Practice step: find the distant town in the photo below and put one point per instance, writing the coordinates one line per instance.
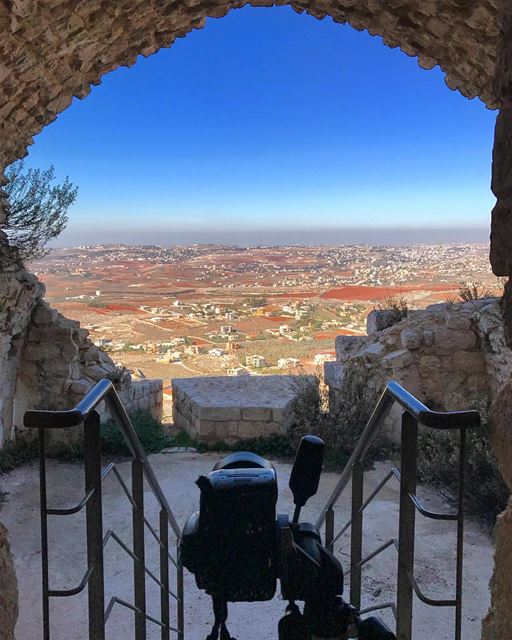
(178, 311)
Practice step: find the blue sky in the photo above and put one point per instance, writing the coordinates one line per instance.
(271, 126)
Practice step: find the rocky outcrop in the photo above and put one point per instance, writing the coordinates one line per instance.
(498, 623)
(8, 589)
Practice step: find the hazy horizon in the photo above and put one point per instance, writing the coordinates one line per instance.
(398, 236)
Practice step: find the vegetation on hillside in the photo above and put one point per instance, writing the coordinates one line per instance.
(469, 291)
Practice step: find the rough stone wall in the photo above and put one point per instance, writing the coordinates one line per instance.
(48, 361)
(454, 357)
(19, 292)
(59, 365)
(8, 589)
(498, 623)
(446, 355)
(53, 51)
(143, 395)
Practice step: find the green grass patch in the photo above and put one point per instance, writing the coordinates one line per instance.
(150, 432)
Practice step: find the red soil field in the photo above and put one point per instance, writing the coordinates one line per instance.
(353, 292)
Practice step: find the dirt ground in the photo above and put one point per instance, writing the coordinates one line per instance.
(177, 472)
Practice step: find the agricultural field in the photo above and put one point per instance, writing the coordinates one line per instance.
(170, 312)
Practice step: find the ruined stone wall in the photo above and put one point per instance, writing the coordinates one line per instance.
(143, 395)
(452, 357)
(59, 365)
(449, 356)
(48, 361)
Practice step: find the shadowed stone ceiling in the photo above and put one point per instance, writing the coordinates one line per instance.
(52, 50)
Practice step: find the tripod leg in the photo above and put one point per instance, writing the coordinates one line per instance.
(220, 610)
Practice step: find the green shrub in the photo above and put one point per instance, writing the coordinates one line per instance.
(17, 453)
(486, 493)
(150, 431)
(340, 422)
(469, 291)
(398, 305)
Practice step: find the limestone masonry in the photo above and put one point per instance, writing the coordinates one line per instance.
(224, 408)
(48, 362)
(451, 356)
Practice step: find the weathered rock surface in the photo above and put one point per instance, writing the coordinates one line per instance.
(498, 623)
(450, 356)
(8, 589)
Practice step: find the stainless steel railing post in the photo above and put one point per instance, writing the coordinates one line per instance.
(181, 595)
(43, 507)
(139, 575)
(164, 575)
(94, 526)
(356, 534)
(460, 536)
(329, 530)
(407, 520)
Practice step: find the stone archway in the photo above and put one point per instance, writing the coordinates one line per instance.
(52, 51)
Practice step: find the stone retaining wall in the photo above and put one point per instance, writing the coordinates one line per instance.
(229, 409)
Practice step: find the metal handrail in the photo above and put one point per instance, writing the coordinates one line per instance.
(103, 391)
(86, 414)
(394, 392)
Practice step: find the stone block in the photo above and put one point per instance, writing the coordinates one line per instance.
(220, 413)
(257, 413)
(458, 322)
(41, 352)
(373, 351)
(411, 339)
(258, 429)
(398, 359)
(228, 407)
(501, 237)
(44, 315)
(378, 320)
(469, 361)
(333, 374)
(451, 340)
(348, 345)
